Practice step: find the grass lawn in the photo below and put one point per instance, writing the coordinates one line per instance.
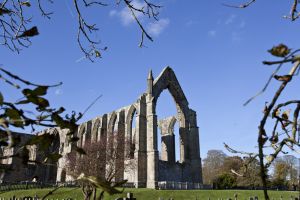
(149, 194)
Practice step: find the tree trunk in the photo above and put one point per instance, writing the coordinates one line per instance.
(95, 193)
(101, 195)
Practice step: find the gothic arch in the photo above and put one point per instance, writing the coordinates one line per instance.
(129, 120)
(172, 124)
(112, 122)
(129, 136)
(167, 80)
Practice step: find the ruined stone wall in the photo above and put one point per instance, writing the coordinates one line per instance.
(138, 144)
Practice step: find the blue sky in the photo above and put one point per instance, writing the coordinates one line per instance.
(215, 51)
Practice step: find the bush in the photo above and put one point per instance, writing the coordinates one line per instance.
(225, 181)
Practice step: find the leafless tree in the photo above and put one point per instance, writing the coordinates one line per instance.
(293, 15)
(285, 133)
(102, 161)
(16, 26)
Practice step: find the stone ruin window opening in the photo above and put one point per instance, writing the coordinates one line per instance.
(131, 132)
(168, 139)
(112, 127)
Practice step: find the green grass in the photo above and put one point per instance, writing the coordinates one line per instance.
(148, 194)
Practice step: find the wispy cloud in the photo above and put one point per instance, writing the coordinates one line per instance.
(155, 28)
(231, 26)
(125, 14)
(237, 33)
(230, 19)
(58, 91)
(212, 33)
(242, 24)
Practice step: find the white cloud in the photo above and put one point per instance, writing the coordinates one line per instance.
(155, 28)
(230, 19)
(58, 91)
(242, 24)
(212, 33)
(125, 14)
(113, 13)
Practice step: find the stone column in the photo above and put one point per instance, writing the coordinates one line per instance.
(194, 153)
(140, 155)
(103, 140)
(167, 140)
(119, 163)
(152, 153)
(183, 135)
(168, 147)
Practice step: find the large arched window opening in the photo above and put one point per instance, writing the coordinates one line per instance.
(168, 81)
(168, 137)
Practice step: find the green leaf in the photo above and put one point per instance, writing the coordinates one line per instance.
(1, 99)
(44, 141)
(27, 92)
(40, 90)
(14, 117)
(12, 113)
(99, 183)
(63, 123)
(29, 33)
(23, 102)
(26, 3)
(33, 96)
(280, 50)
(41, 102)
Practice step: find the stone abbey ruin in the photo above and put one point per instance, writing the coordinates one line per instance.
(150, 168)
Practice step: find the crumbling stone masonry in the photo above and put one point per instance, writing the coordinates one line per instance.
(149, 168)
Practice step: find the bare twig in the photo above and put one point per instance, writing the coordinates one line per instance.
(244, 5)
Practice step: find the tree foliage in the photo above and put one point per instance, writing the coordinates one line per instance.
(285, 172)
(212, 165)
(225, 181)
(32, 109)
